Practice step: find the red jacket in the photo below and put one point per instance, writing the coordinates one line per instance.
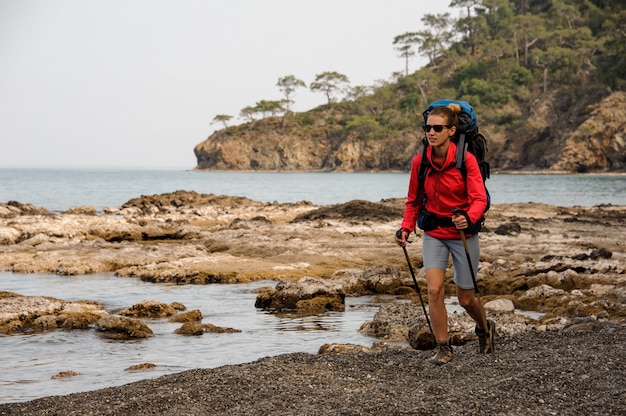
(445, 189)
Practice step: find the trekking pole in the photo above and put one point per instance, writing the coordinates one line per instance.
(483, 318)
(417, 288)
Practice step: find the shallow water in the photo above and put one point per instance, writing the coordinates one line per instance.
(28, 361)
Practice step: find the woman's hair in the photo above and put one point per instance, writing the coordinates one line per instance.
(449, 113)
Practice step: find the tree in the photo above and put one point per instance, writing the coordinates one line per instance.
(270, 108)
(359, 91)
(405, 43)
(433, 42)
(329, 83)
(247, 113)
(265, 108)
(467, 24)
(222, 118)
(288, 86)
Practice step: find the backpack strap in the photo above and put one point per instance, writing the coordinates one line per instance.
(421, 177)
(461, 149)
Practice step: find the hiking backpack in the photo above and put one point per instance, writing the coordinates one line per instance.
(467, 138)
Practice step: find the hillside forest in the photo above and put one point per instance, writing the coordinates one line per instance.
(547, 80)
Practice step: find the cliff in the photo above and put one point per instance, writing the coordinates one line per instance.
(558, 136)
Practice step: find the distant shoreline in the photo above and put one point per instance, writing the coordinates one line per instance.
(497, 172)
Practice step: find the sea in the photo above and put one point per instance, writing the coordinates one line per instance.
(29, 362)
(59, 189)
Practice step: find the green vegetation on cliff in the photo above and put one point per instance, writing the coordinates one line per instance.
(545, 79)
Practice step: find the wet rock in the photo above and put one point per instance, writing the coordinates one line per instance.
(195, 328)
(140, 367)
(39, 313)
(149, 309)
(308, 294)
(191, 316)
(122, 328)
(178, 306)
(65, 321)
(65, 374)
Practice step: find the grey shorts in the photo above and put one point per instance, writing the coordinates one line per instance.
(436, 253)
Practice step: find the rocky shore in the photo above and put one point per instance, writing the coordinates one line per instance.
(565, 263)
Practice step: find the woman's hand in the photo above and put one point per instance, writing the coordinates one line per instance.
(460, 219)
(460, 222)
(401, 236)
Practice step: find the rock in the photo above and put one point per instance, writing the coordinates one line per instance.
(374, 279)
(65, 374)
(116, 327)
(392, 321)
(140, 367)
(584, 325)
(149, 309)
(195, 328)
(8, 235)
(22, 313)
(13, 209)
(601, 253)
(82, 210)
(191, 316)
(308, 294)
(419, 336)
(512, 228)
(110, 211)
(500, 306)
(342, 349)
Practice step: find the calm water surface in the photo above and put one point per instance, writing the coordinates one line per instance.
(58, 189)
(29, 361)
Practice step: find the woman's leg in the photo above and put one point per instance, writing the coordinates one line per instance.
(471, 304)
(436, 305)
(465, 290)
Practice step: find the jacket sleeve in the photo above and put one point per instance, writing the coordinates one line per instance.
(411, 210)
(476, 193)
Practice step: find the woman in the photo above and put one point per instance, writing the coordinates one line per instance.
(446, 191)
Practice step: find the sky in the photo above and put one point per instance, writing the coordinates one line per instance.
(138, 83)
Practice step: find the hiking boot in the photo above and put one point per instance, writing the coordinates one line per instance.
(487, 339)
(444, 354)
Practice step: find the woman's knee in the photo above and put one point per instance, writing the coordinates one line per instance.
(466, 297)
(436, 292)
(436, 283)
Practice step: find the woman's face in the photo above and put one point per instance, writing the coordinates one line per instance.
(442, 137)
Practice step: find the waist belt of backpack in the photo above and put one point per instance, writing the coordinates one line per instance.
(445, 222)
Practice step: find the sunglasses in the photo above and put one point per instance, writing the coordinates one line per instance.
(437, 127)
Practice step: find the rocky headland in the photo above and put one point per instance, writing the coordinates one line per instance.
(552, 135)
(565, 263)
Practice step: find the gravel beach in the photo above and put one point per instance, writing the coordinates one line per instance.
(532, 373)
